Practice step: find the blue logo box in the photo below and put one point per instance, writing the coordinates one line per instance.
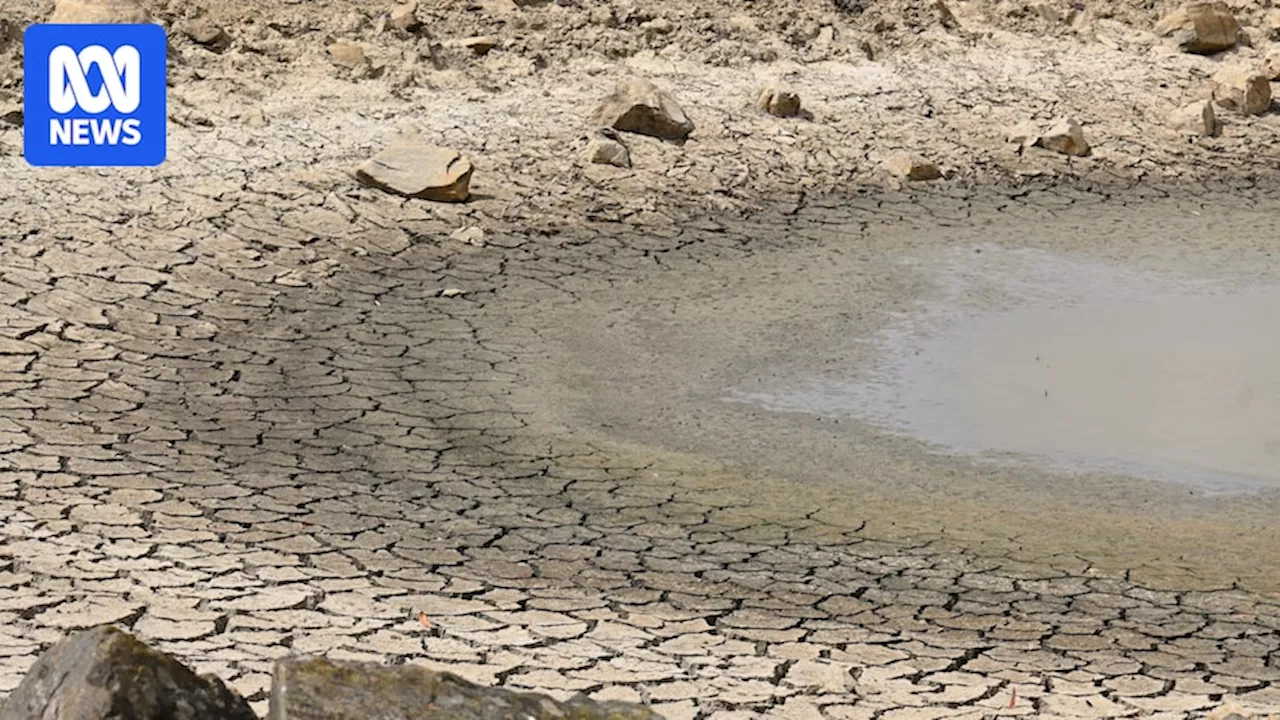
(94, 95)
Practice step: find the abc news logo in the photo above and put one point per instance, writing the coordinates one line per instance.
(95, 95)
(69, 88)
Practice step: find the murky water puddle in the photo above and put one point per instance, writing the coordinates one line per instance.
(1079, 366)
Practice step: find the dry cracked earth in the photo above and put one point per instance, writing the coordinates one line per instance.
(246, 415)
(248, 409)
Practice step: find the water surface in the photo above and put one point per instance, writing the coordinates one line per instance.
(1075, 365)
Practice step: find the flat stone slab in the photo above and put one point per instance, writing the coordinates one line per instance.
(417, 169)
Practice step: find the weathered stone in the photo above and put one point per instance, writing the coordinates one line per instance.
(321, 689)
(639, 106)
(1023, 135)
(479, 44)
(1066, 137)
(11, 113)
(777, 98)
(347, 55)
(105, 673)
(470, 235)
(208, 33)
(605, 148)
(910, 166)
(1242, 89)
(1201, 27)
(405, 16)
(1270, 66)
(99, 11)
(417, 169)
(1197, 118)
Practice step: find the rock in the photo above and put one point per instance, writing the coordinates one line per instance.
(320, 689)
(479, 44)
(348, 55)
(1271, 23)
(99, 11)
(606, 148)
(910, 166)
(470, 235)
(1197, 118)
(105, 673)
(639, 106)
(777, 98)
(1242, 89)
(405, 16)
(945, 17)
(208, 33)
(1024, 135)
(452, 292)
(1201, 27)
(11, 113)
(415, 168)
(1270, 67)
(1066, 137)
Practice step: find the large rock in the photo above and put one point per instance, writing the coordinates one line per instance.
(320, 689)
(347, 55)
(1195, 119)
(639, 106)
(415, 168)
(1201, 27)
(99, 12)
(606, 148)
(777, 98)
(1066, 137)
(910, 166)
(1270, 66)
(105, 673)
(206, 32)
(1242, 89)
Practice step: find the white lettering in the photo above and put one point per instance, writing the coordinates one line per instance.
(59, 132)
(80, 131)
(132, 131)
(106, 132)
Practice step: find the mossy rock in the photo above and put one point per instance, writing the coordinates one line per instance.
(106, 673)
(319, 689)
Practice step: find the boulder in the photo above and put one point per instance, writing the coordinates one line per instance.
(347, 55)
(778, 99)
(639, 106)
(1023, 135)
(479, 44)
(320, 689)
(470, 235)
(405, 16)
(606, 148)
(1201, 27)
(417, 169)
(11, 113)
(1197, 118)
(206, 32)
(1242, 89)
(99, 12)
(1270, 66)
(909, 166)
(1066, 137)
(105, 673)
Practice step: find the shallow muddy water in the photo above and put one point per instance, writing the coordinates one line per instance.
(1083, 366)
(1103, 383)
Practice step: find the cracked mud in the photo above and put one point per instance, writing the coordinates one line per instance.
(244, 418)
